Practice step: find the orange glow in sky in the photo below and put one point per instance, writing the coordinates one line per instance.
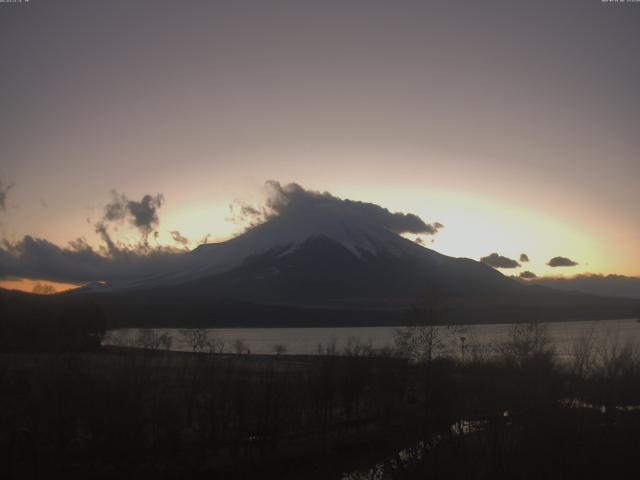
(42, 287)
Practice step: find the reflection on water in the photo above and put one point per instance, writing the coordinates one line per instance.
(303, 341)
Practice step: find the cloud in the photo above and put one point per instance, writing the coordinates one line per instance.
(101, 229)
(242, 213)
(498, 261)
(561, 262)
(524, 258)
(4, 190)
(143, 214)
(79, 262)
(178, 238)
(250, 211)
(527, 275)
(292, 199)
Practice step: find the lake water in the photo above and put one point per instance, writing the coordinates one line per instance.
(306, 340)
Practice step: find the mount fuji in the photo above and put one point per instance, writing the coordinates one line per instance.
(332, 262)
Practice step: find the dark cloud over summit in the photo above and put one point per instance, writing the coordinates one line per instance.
(292, 198)
(524, 258)
(498, 261)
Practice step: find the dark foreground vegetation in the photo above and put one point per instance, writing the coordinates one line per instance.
(70, 408)
(512, 411)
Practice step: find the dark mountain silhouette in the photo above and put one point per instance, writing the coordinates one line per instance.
(321, 271)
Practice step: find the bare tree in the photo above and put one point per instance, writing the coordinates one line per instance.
(475, 350)
(617, 359)
(528, 341)
(330, 349)
(279, 349)
(196, 338)
(353, 348)
(582, 353)
(166, 341)
(427, 335)
(215, 343)
(418, 342)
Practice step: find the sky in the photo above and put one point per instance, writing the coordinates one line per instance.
(512, 123)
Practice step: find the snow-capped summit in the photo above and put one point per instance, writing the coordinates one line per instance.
(288, 232)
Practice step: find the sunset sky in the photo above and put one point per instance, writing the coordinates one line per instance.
(514, 124)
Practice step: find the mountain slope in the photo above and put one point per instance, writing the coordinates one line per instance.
(322, 270)
(322, 283)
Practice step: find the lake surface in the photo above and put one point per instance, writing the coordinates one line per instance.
(306, 340)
